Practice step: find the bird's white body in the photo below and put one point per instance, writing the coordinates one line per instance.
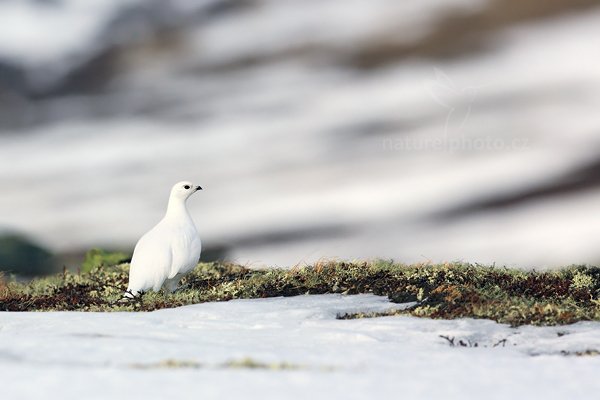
(169, 250)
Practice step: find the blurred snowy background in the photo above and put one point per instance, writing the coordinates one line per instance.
(419, 130)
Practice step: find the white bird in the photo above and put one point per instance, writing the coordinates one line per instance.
(169, 250)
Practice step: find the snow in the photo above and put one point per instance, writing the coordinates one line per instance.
(34, 33)
(50, 38)
(338, 24)
(293, 146)
(53, 37)
(103, 355)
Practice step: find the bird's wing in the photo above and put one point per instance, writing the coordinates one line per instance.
(150, 263)
(186, 249)
(196, 249)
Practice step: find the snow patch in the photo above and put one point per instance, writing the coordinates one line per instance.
(96, 354)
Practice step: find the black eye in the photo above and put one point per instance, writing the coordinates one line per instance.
(186, 187)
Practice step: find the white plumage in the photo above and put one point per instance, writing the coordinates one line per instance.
(169, 250)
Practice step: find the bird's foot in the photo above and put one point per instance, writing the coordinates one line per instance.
(129, 296)
(182, 287)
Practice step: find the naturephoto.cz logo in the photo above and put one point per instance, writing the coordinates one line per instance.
(457, 144)
(457, 103)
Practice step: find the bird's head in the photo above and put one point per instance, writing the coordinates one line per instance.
(184, 189)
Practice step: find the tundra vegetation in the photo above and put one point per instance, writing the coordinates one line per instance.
(448, 291)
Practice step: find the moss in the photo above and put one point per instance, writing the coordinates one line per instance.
(451, 290)
(168, 364)
(249, 363)
(586, 353)
(582, 281)
(244, 363)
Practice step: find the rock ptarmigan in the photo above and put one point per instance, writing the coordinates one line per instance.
(169, 250)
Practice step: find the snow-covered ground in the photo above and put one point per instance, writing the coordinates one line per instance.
(125, 355)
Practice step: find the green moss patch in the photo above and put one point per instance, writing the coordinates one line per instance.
(452, 290)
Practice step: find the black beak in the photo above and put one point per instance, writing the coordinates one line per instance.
(198, 188)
